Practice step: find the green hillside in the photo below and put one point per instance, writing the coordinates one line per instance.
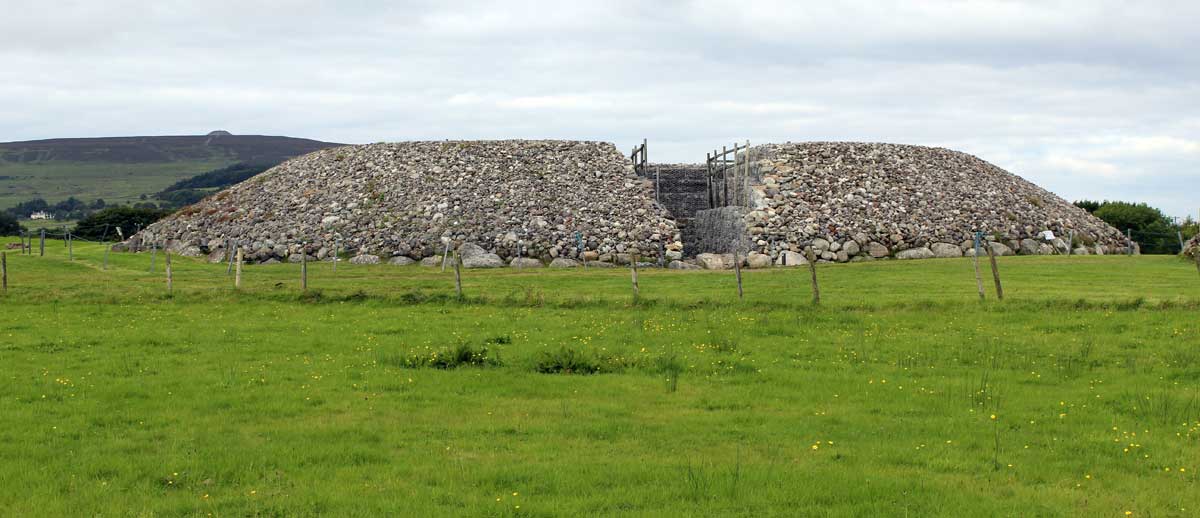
(122, 169)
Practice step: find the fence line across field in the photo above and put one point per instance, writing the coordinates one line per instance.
(235, 252)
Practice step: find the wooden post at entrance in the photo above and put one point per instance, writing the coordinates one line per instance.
(237, 278)
(975, 260)
(812, 270)
(4, 271)
(995, 273)
(167, 259)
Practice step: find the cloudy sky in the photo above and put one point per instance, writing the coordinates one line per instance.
(1089, 98)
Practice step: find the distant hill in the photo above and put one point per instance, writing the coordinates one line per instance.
(123, 169)
(218, 145)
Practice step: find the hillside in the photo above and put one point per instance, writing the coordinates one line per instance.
(121, 169)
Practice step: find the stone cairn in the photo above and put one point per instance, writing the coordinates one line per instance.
(861, 201)
(515, 202)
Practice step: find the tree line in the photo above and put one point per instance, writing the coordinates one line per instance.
(1148, 226)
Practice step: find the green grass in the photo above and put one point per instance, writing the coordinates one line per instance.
(114, 182)
(379, 393)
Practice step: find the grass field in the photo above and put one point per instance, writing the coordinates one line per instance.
(88, 181)
(379, 393)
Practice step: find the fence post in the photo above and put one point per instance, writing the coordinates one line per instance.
(1129, 241)
(458, 275)
(975, 260)
(812, 270)
(153, 255)
(106, 249)
(1070, 242)
(42, 245)
(633, 271)
(995, 273)
(167, 260)
(519, 265)
(70, 247)
(445, 254)
(337, 250)
(4, 271)
(737, 269)
(237, 279)
(303, 269)
(1182, 246)
(230, 246)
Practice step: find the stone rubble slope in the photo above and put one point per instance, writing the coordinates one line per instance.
(403, 199)
(857, 201)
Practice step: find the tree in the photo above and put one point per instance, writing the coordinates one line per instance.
(9, 225)
(1088, 205)
(103, 224)
(1149, 227)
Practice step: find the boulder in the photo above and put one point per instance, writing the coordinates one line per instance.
(1080, 251)
(434, 261)
(484, 260)
(563, 262)
(364, 259)
(401, 260)
(851, 248)
(946, 250)
(877, 250)
(680, 265)
(599, 264)
(790, 258)
(711, 261)
(756, 260)
(190, 251)
(1030, 247)
(916, 253)
(525, 262)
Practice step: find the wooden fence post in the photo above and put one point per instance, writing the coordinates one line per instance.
(458, 275)
(995, 273)
(237, 279)
(42, 245)
(4, 271)
(1182, 246)
(153, 255)
(70, 247)
(975, 260)
(1071, 242)
(445, 255)
(812, 270)
(737, 269)
(633, 271)
(230, 246)
(106, 249)
(337, 250)
(1129, 241)
(303, 269)
(167, 260)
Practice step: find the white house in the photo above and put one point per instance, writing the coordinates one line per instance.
(41, 215)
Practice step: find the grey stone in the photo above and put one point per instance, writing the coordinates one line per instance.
(756, 260)
(524, 262)
(916, 253)
(435, 260)
(877, 250)
(946, 250)
(851, 248)
(711, 261)
(563, 262)
(401, 260)
(364, 259)
(680, 265)
(790, 258)
(484, 260)
(1030, 247)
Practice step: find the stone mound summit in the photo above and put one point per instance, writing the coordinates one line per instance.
(404, 201)
(861, 201)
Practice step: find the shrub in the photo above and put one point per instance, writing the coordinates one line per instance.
(9, 225)
(566, 360)
(461, 355)
(105, 222)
